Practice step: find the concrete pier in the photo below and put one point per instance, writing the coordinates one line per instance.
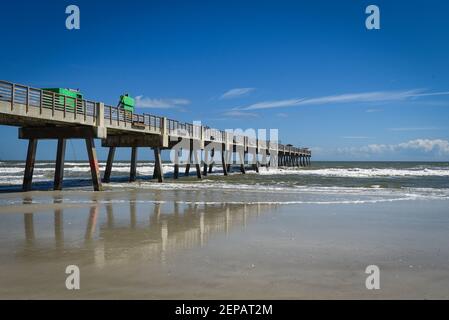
(41, 114)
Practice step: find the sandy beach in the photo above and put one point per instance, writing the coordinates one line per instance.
(207, 244)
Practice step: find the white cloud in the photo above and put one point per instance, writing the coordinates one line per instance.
(438, 146)
(145, 102)
(236, 92)
(426, 145)
(240, 114)
(376, 96)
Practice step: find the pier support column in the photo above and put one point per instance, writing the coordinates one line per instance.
(212, 155)
(197, 163)
(255, 160)
(265, 159)
(229, 158)
(59, 167)
(256, 166)
(93, 162)
(29, 165)
(187, 172)
(176, 171)
(158, 171)
(242, 162)
(223, 159)
(133, 170)
(109, 162)
(206, 160)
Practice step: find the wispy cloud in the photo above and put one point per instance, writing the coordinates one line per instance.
(376, 96)
(373, 110)
(282, 115)
(168, 103)
(236, 92)
(356, 137)
(414, 129)
(240, 114)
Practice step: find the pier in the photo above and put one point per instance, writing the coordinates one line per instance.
(41, 114)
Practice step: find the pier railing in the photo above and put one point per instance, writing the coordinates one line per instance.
(39, 102)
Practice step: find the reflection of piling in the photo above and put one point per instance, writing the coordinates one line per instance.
(91, 222)
(164, 240)
(166, 230)
(132, 212)
(59, 228)
(201, 229)
(29, 227)
(157, 211)
(110, 215)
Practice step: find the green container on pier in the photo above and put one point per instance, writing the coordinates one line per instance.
(71, 94)
(127, 103)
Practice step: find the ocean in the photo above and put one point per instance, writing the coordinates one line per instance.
(323, 182)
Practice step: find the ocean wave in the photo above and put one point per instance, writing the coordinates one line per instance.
(376, 191)
(362, 172)
(355, 172)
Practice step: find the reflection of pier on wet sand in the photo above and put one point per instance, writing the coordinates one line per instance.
(110, 238)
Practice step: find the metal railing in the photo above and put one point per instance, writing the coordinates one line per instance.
(37, 99)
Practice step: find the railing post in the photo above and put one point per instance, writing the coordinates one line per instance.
(13, 92)
(100, 114)
(53, 104)
(65, 102)
(76, 107)
(41, 101)
(164, 126)
(28, 99)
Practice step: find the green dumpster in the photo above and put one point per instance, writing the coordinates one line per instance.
(126, 102)
(70, 95)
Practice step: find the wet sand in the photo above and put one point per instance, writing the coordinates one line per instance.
(173, 244)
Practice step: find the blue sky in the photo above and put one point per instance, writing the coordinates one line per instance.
(309, 68)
